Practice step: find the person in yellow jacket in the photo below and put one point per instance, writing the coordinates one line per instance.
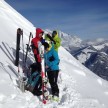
(55, 39)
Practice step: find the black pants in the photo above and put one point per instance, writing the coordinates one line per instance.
(53, 76)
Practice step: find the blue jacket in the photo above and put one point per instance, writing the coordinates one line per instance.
(52, 59)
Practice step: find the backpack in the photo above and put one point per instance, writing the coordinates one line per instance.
(34, 82)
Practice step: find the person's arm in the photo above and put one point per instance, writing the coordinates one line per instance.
(58, 43)
(51, 38)
(35, 51)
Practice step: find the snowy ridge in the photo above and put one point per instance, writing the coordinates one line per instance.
(7, 7)
(79, 87)
(10, 18)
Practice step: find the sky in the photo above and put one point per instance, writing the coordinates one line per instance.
(87, 19)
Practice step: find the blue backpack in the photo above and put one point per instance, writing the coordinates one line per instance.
(34, 82)
(34, 78)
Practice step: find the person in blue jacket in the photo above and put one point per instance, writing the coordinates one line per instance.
(52, 68)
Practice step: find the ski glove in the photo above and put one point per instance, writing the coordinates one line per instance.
(51, 38)
(42, 41)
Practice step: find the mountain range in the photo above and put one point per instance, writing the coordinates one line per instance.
(91, 53)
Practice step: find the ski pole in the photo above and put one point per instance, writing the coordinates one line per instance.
(23, 47)
(31, 35)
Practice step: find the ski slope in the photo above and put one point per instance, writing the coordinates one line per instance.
(79, 87)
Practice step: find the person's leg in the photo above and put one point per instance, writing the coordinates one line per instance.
(56, 89)
(53, 76)
(51, 80)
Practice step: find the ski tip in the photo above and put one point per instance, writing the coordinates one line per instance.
(44, 101)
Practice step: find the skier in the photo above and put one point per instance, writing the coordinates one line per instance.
(34, 45)
(55, 39)
(52, 68)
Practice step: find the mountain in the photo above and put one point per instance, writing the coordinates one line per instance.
(69, 42)
(95, 57)
(79, 87)
(91, 53)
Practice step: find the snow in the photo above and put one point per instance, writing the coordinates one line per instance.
(85, 54)
(70, 42)
(99, 81)
(99, 47)
(79, 87)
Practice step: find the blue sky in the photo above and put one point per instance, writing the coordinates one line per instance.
(88, 19)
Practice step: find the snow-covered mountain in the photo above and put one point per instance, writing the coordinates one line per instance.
(92, 53)
(79, 87)
(95, 57)
(70, 43)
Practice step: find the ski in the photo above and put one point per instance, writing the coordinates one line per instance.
(44, 80)
(21, 83)
(20, 78)
(23, 47)
(19, 33)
